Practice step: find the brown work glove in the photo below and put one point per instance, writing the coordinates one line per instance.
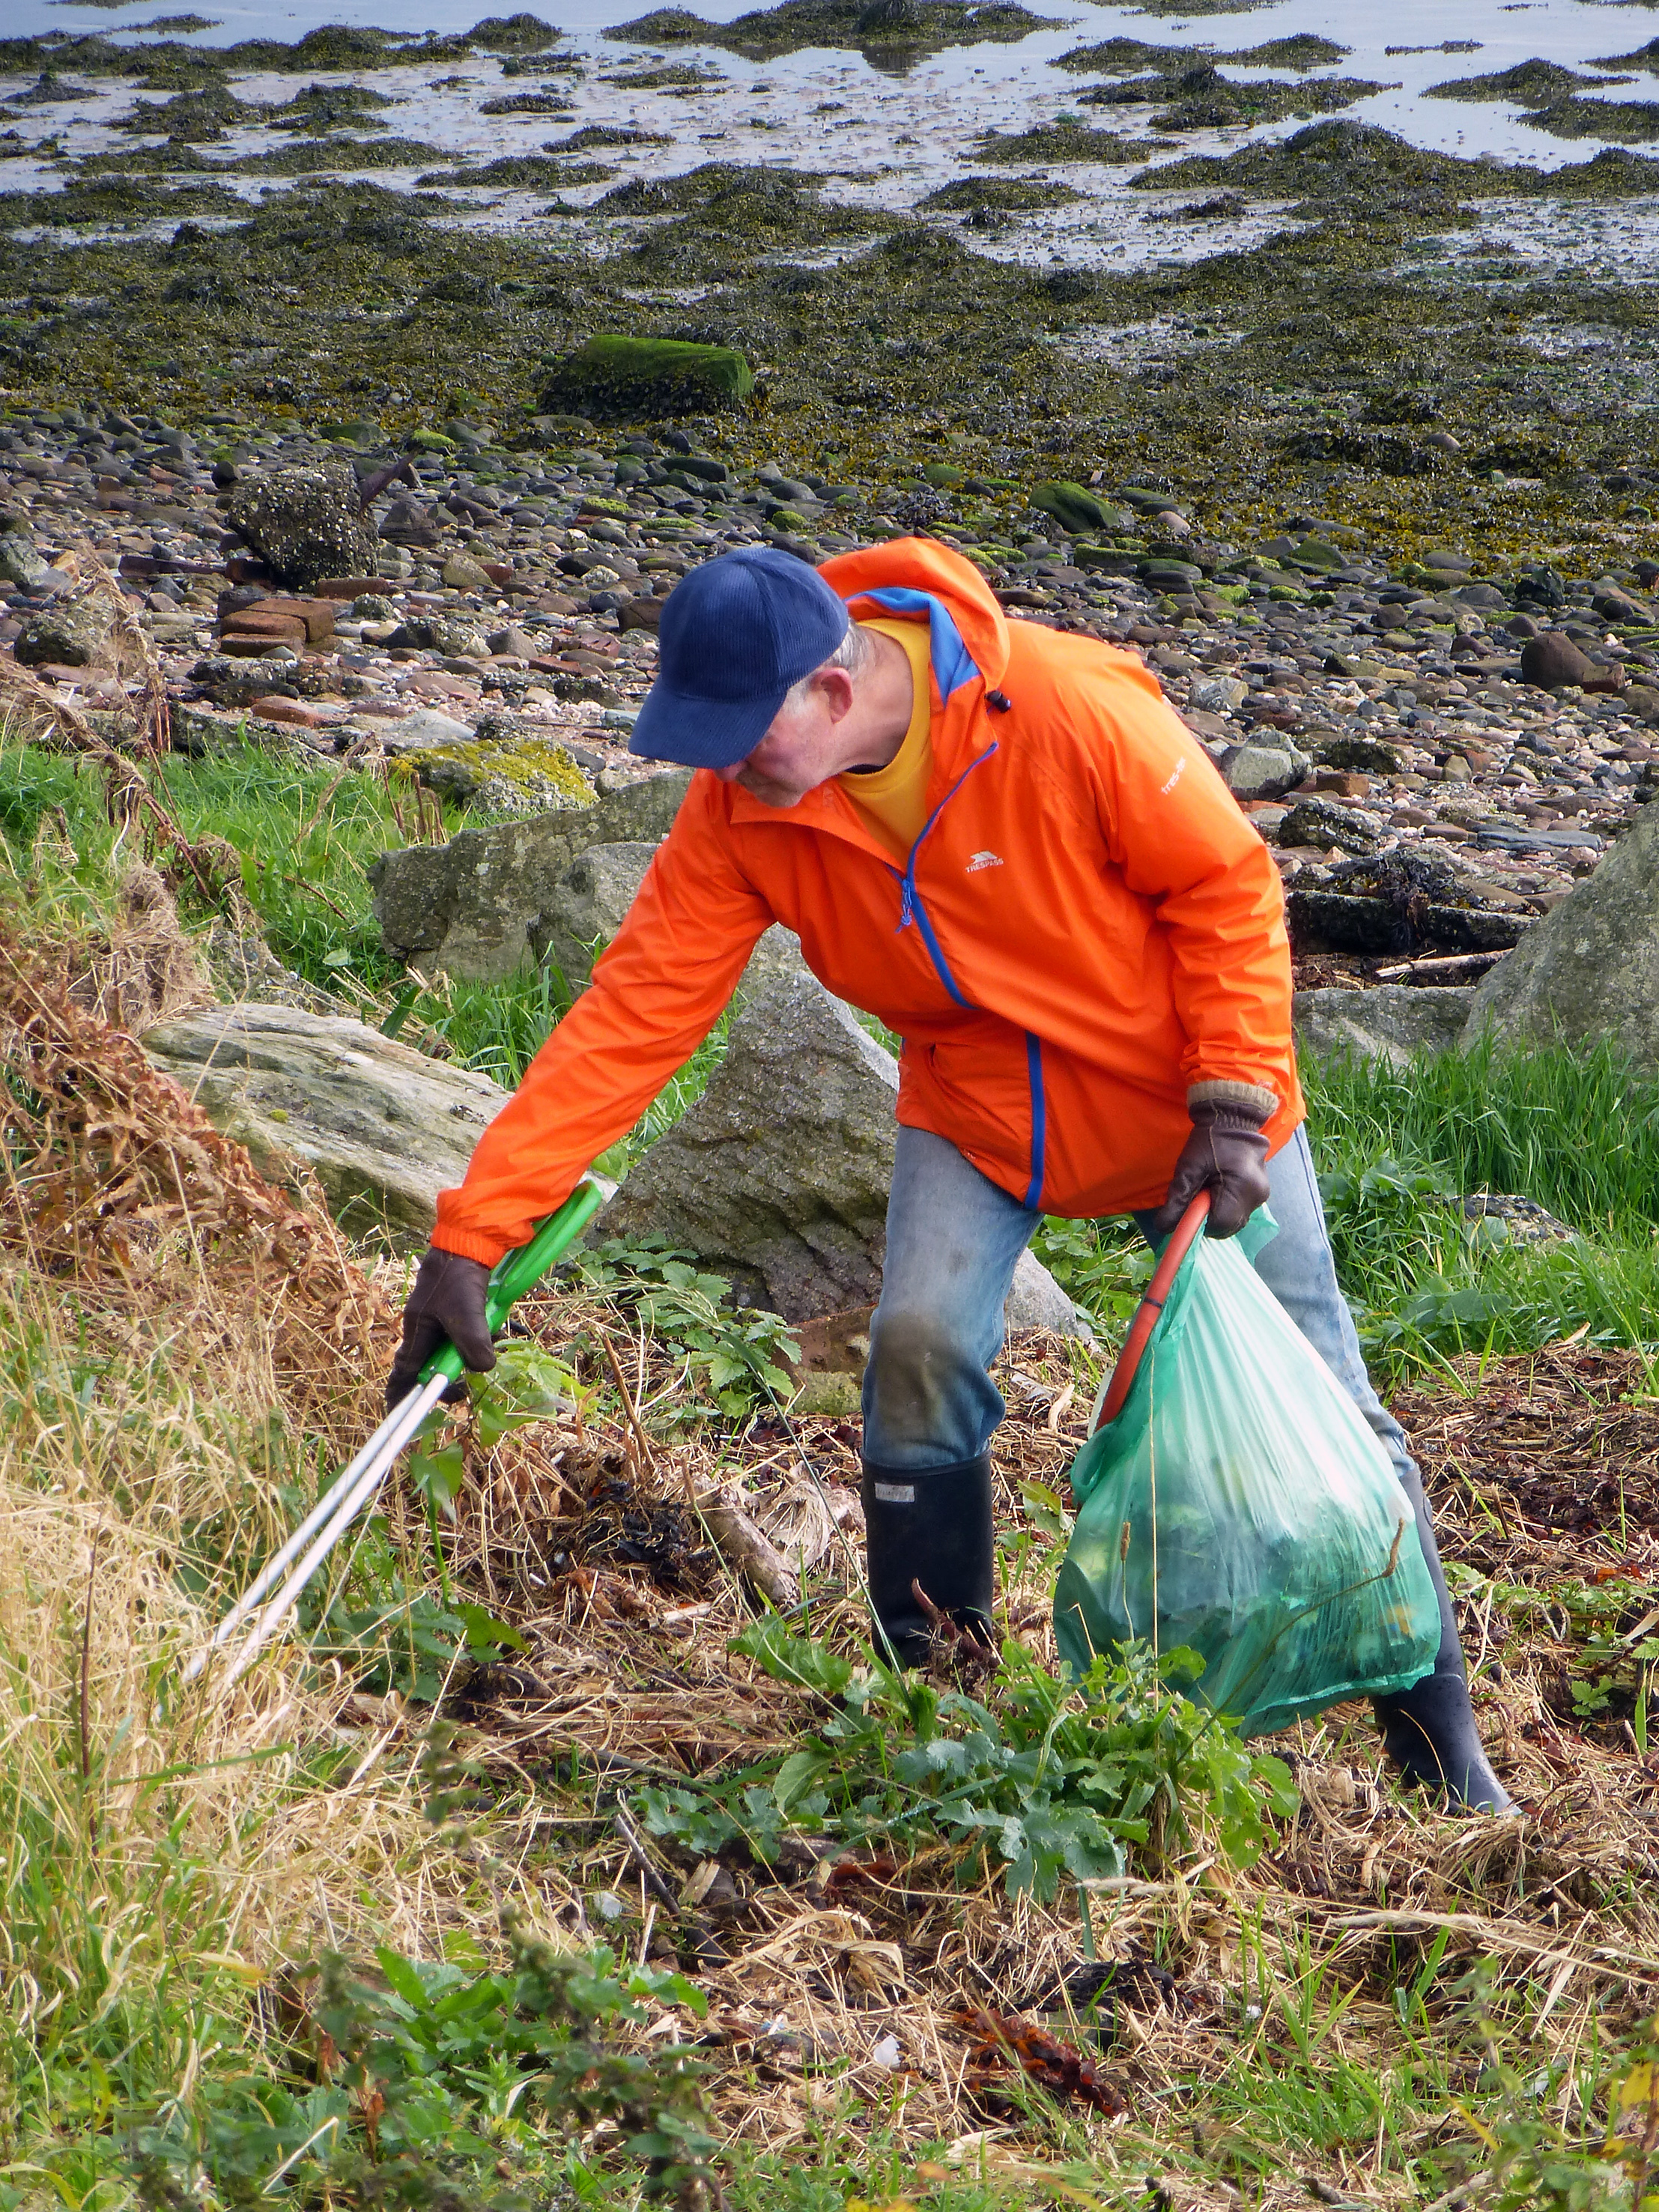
(447, 1302)
(1225, 1155)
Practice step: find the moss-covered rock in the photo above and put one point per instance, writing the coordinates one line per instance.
(517, 775)
(612, 375)
(1073, 508)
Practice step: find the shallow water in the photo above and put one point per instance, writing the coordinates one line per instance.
(888, 138)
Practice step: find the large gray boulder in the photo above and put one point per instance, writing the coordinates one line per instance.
(20, 562)
(1390, 1023)
(481, 905)
(1260, 770)
(383, 1127)
(1591, 967)
(778, 1176)
(590, 903)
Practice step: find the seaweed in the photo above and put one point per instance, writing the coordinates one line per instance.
(1644, 58)
(764, 33)
(1630, 122)
(1201, 99)
(1122, 57)
(307, 157)
(666, 77)
(538, 172)
(108, 200)
(523, 34)
(1530, 82)
(1067, 138)
(1360, 167)
(1011, 194)
(606, 134)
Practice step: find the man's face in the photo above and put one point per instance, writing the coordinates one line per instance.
(800, 749)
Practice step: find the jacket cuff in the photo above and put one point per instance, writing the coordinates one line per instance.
(468, 1244)
(1248, 1097)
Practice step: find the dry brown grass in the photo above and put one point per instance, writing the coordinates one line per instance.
(179, 1341)
(833, 1961)
(142, 1250)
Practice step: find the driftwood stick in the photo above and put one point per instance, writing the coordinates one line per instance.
(1444, 963)
(745, 1548)
(647, 1457)
(641, 1858)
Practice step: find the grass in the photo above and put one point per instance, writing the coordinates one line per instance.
(306, 836)
(1396, 1149)
(194, 1891)
(1576, 1131)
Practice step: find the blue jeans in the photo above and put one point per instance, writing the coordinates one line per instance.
(952, 1240)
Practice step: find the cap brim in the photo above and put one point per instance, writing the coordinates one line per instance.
(699, 732)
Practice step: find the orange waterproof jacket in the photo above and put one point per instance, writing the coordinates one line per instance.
(1086, 928)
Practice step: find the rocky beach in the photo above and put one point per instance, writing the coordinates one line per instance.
(1366, 482)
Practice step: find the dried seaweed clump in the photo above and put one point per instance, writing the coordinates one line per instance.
(117, 1181)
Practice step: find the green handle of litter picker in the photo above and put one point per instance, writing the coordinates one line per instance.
(521, 1269)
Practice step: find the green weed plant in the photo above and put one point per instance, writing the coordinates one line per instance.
(1053, 1777)
(426, 2078)
(734, 1354)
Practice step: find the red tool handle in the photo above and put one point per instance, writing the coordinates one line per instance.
(1187, 1232)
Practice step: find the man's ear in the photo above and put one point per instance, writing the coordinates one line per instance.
(836, 687)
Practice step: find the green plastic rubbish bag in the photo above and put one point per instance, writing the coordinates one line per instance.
(1240, 1505)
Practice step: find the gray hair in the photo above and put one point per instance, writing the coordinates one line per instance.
(852, 654)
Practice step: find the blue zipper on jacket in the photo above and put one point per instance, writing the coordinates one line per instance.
(1039, 1120)
(910, 906)
(912, 909)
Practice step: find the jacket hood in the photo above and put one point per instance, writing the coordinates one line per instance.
(913, 576)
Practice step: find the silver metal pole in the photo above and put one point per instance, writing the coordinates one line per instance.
(374, 1471)
(323, 1511)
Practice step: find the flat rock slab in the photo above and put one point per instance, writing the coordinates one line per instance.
(383, 1127)
(1391, 1022)
(416, 732)
(1589, 968)
(778, 1176)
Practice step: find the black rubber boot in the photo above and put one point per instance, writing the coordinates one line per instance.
(932, 1526)
(1429, 1730)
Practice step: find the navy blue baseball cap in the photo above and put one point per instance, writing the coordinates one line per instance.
(736, 632)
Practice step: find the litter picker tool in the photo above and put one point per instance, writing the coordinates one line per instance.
(305, 1551)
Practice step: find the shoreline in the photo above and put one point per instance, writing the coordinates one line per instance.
(1324, 481)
